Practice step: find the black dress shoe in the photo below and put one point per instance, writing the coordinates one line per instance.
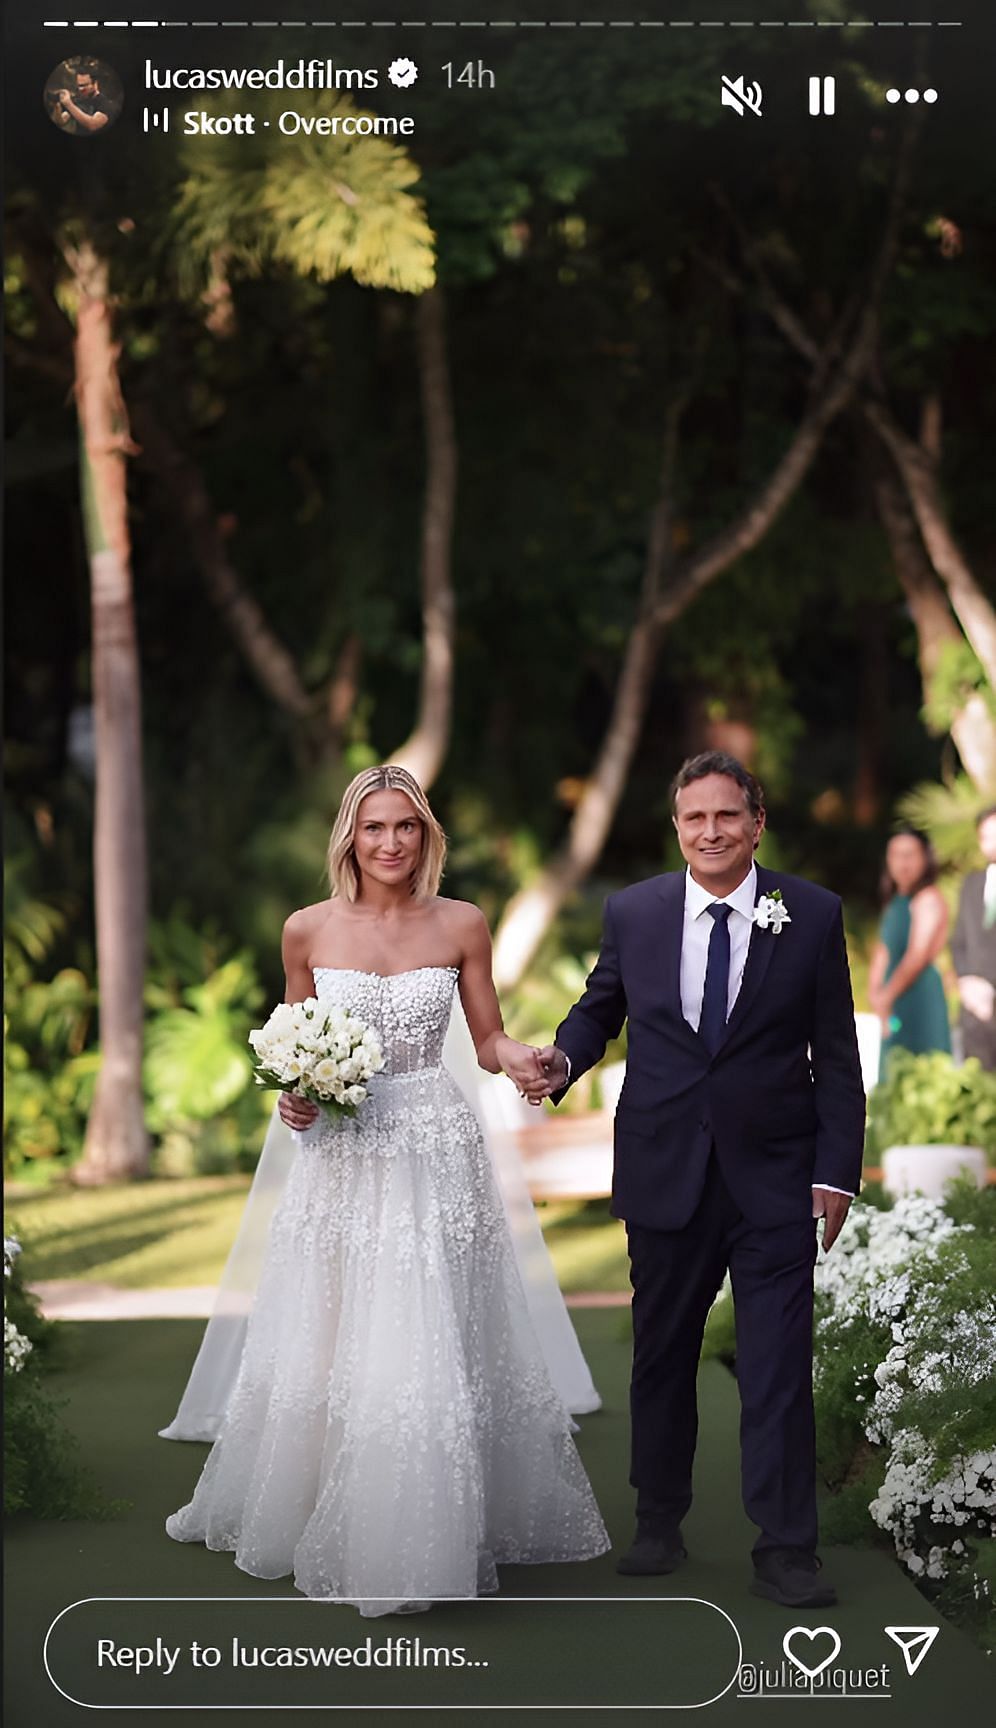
(652, 1553)
(791, 1577)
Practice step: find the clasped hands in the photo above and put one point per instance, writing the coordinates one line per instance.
(536, 1073)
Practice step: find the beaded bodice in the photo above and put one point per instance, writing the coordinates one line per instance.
(410, 1011)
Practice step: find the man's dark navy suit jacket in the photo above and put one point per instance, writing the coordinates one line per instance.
(781, 1100)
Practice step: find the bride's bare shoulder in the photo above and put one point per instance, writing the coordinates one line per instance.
(303, 925)
(462, 919)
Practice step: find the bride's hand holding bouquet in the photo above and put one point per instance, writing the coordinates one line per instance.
(320, 1056)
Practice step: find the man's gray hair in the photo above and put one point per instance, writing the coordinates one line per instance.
(718, 762)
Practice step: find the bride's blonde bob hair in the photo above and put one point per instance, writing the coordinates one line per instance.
(344, 872)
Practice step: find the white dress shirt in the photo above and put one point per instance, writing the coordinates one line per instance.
(698, 928)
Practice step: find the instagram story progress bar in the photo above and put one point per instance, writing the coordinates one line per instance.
(822, 95)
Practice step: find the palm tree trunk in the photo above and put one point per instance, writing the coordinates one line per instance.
(424, 751)
(117, 1144)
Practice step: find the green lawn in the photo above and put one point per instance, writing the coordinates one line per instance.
(613, 1641)
(588, 1247)
(140, 1235)
(168, 1233)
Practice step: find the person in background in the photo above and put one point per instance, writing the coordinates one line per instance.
(904, 985)
(973, 949)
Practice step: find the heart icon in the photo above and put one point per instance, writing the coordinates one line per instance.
(809, 1667)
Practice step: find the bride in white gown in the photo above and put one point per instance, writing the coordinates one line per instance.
(393, 1433)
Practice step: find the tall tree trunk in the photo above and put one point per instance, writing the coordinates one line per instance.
(918, 468)
(973, 727)
(117, 1144)
(270, 661)
(343, 687)
(424, 751)
(529, 914)
(838, 372)
(320, 719)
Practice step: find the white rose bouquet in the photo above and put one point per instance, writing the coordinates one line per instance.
(319, 1051)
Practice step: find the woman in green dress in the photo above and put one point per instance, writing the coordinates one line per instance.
(905, 986)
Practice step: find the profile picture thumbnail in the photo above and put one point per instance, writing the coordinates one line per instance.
(83, 96)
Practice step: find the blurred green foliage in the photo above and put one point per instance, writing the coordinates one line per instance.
(201, 1002)
(929, 1100)
(48, 1022)
(958, 676)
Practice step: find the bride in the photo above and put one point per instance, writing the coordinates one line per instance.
(392, 1433)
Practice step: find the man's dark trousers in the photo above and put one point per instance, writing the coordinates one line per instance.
(675, 1276)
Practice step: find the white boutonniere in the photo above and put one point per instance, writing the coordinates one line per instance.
(771, 912)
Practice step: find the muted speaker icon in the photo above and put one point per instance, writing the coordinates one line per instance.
(741, 96)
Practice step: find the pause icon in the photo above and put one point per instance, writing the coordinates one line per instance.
(822, 95)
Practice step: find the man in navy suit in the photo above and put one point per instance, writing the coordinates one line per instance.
(741, 1120)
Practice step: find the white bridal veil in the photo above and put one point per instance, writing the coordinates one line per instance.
(217, 1363)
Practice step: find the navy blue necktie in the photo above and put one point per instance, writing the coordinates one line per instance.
(712, 1022)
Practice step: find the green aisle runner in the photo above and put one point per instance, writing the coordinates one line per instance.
(641, 1645)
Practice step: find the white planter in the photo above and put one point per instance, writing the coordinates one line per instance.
(926, 1169)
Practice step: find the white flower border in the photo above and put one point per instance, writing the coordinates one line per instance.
(885, 1266)
(16, 1348)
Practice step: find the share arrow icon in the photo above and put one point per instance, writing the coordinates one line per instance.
(913, 1641)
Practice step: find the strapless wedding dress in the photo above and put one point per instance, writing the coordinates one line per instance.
(393, 1434)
